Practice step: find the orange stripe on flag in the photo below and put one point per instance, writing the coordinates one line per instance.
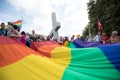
(45, 47)
(8, 54)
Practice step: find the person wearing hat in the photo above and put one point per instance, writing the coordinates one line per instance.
(78, 36)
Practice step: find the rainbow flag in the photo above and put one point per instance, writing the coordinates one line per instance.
(55, 62)
(18, 23)
(81, 44)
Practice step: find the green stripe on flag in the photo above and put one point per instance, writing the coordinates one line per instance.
(90, 64)
(71, 45)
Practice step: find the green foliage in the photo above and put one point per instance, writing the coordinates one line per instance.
(108, 11)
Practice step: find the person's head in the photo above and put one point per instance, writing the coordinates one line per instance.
(90, 35)
(73, 36)
(33, 31)
(10, 23)
(27, 34)
(2, 25)
(61, 37)
(66, 38)
(114, 33)
(23, 33)
(104, 34)
(48, 38)
(87, 37)
(15, 27)
(78, 36)
(99, 33)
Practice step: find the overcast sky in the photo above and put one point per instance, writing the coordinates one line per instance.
(36, 14)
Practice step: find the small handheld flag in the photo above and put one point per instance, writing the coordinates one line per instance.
(99, 25)
(18, 23)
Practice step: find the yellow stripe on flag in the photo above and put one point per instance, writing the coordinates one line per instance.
(35, 67)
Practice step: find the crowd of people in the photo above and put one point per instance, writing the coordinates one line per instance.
(13, 31)
(99, 38)
(104, 38)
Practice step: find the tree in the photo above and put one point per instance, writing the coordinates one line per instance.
(108, 11)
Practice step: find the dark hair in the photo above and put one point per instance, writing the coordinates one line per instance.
(23, 32)
(2, 23)
(10, 23)
(15, 27)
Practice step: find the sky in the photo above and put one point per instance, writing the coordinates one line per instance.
(36, 14)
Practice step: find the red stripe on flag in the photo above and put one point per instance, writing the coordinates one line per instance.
(11, 51)
(17, 22)
(44, 48)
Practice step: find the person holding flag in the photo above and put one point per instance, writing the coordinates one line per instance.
(13, 31)
(18, 23)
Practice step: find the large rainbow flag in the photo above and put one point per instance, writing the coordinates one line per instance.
(78, 43)
(55, 62)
